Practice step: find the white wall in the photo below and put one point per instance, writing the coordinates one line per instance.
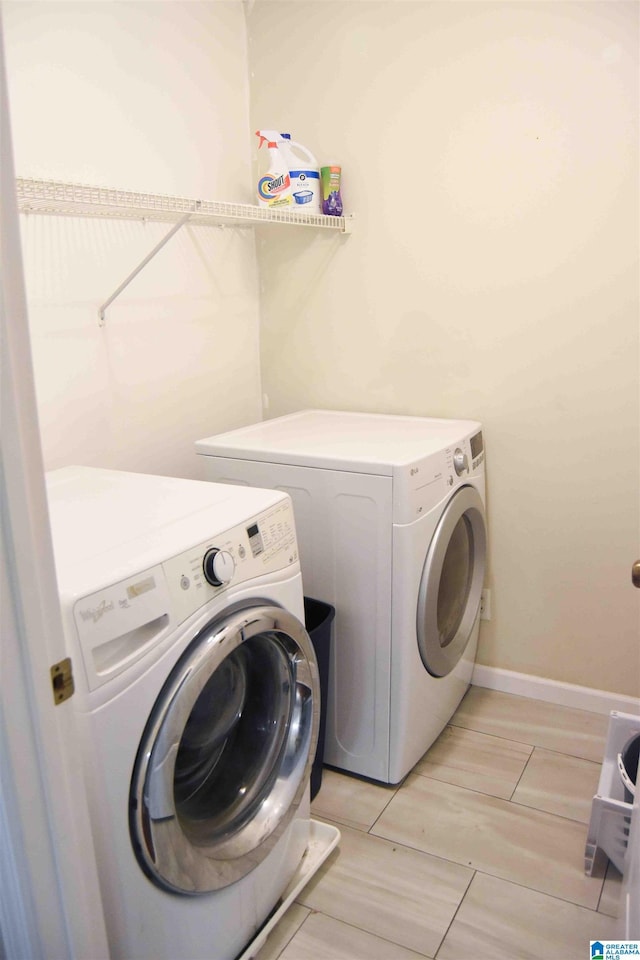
(489, 151)
(150, 97)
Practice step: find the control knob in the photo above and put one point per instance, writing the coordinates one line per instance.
(218, 567)
(460, 462)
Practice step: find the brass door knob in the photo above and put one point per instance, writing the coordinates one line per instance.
(635, 574)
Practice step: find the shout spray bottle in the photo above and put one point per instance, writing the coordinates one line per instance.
(274, 185)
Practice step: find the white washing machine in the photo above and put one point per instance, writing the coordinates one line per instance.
(197, 694)
(390, 515)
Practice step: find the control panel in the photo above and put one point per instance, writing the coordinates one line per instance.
(465, 457)
(419, 486)
(264, 544)
(119, 623)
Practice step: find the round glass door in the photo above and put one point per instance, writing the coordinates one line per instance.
(451, 584)
(226, 754)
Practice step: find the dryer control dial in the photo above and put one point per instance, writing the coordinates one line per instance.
(460, 462)
(218, 567)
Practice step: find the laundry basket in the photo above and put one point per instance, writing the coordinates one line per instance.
(611, 807)
(318, 618)
(628, 766)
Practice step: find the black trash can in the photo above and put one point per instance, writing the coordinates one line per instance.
(318, 620)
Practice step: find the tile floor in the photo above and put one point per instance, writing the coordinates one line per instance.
(478, 854)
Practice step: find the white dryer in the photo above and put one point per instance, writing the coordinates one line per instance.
(390, 515)
(196, 693)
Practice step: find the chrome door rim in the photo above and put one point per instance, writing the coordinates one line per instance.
(163, 849)
(439, 660)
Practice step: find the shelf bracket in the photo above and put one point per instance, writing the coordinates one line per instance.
(125, 283)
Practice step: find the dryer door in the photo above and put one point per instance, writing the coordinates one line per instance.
(226, 755)
(451, 584)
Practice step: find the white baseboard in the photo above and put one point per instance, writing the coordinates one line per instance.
(553, 691)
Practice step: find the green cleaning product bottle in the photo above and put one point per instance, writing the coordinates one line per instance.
(331, 197)
(274, 185)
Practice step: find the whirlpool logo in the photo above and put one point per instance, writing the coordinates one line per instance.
(96, 613)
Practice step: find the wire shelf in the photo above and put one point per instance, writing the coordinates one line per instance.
(81, 200)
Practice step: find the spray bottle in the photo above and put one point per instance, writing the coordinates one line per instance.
(274, 185)
(304, 173)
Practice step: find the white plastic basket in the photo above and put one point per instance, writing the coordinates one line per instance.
(608, 833)
(625, 760)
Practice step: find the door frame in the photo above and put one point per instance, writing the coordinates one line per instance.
(50, 903)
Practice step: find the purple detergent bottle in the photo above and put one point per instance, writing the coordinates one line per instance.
(331, 199)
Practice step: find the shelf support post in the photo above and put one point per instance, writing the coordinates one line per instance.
(125, 283)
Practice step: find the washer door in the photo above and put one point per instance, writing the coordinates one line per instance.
(226, 755)
(451, 584)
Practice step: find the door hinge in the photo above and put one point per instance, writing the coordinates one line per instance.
(62, 680)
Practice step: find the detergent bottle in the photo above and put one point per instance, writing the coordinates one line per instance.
(331, 176)
(304, 174)
(274, 185)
